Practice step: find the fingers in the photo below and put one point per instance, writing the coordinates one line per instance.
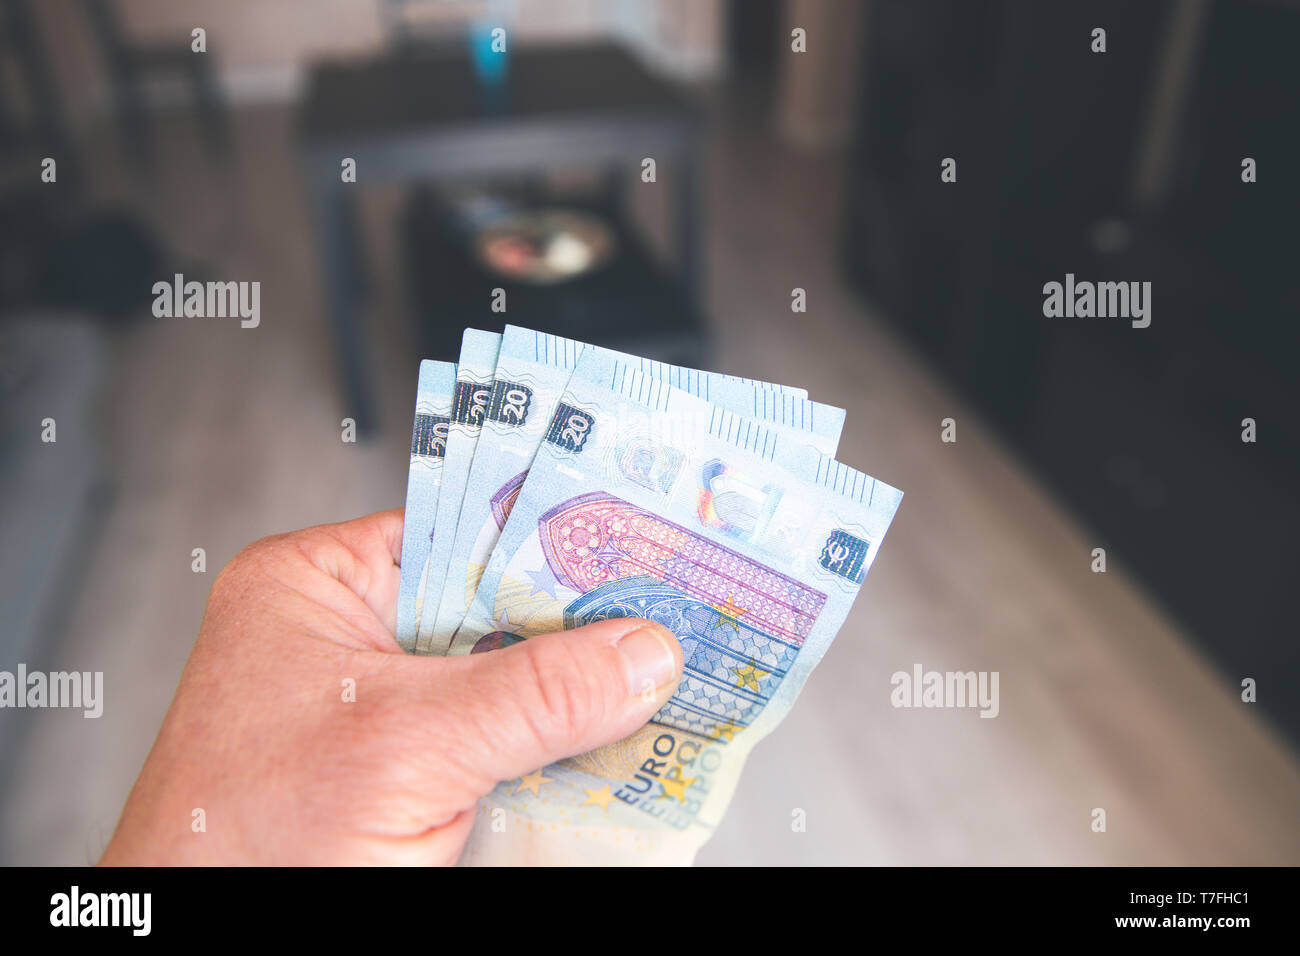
(377, 536)
(509, 712)
(363, 555)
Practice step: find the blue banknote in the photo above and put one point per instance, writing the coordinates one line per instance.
(433, 397)
(532, 371)
(642, 501)
(478, 358)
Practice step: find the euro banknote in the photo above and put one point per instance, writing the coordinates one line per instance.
(532, 370)
(433, 395)
(642, 501)
(478, 358)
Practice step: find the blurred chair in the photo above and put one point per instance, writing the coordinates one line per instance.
(132, 64)
(57, 250)
(26, 85)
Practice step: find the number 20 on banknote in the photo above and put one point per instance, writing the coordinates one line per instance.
(569, 429)
(508, 404)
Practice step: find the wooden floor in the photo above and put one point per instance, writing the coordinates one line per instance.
(220, 435)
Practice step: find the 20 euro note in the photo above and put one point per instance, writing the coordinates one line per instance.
(478, 358)
(433, 395)
(749, 547)
(532, 370)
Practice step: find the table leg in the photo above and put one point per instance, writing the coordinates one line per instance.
(339, 249)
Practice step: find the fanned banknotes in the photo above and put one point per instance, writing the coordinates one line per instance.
(716, 510)
(532, 370)
(433, 396)
(644, 502)
(478, 359)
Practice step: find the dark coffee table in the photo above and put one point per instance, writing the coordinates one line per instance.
(425, 117)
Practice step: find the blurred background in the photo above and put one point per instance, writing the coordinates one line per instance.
(783, 161)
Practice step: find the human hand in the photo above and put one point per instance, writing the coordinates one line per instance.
(262, 739)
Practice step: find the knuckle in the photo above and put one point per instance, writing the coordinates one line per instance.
(238, 584)
(248, 560)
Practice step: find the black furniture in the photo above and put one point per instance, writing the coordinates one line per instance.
(1139, 429)
(131, 64)
(427, 119)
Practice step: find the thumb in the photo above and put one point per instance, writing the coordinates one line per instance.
(557, 695)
